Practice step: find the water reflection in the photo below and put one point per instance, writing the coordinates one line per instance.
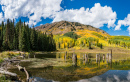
(81, 67)
(74, 59)
(110, 76)
(38, 79)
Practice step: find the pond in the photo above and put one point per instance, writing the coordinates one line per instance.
(62, 67)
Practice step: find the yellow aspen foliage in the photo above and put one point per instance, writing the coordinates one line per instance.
(64, 42)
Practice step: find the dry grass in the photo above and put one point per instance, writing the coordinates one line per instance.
(9, 54)
(98, 50)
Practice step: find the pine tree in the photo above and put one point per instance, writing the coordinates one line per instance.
(12, 34)
(40, 43)
(33, 39)
(24, 39)
(1, 34)
(20, 33)
(6, 42)
(17, 35)
(101, 45)
(28, 36)
(90, 45)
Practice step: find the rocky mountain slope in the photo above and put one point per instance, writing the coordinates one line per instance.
(63, 27)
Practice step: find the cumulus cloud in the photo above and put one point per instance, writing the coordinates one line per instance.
(125, 22)
(97, 16)
(33, 9)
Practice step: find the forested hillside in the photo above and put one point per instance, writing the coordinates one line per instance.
(78, 36)
(122, 41)
(21, 37)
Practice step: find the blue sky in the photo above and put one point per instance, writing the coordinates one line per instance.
(112, 16)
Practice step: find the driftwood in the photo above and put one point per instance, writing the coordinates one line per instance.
(20, 68)
(14, 60)
(21, 56)
(26, 74)
(24, 69)
(2, 71)
(31, 80)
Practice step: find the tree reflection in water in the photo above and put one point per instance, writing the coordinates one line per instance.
(80, 67)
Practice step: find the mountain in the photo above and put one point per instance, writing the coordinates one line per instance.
(64, 33)
(63, 27)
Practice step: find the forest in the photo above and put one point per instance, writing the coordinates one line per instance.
(122, 41)
(19, 36)
(71, 39)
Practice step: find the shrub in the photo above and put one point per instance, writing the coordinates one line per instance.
(72, 35)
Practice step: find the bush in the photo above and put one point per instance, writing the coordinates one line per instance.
(72, 35)
(100, 45)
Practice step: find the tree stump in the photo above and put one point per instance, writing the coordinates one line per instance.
(103, 57)
(97, 58)
(86, 58)
(107, 57)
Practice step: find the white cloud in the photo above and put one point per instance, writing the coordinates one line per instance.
(24, 8)
(97, 16)
(125, 22)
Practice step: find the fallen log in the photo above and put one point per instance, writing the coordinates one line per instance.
(12, 60)
(26, 74)
(20, 68)
(2, 71)
(23, 69)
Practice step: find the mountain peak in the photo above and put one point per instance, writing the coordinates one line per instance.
(63, 27)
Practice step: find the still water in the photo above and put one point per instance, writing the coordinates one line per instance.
(61, 67)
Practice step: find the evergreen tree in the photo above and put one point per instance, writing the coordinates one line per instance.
(101, 45)
(1, 34)
(17, 35)
(27, 36)
(20, 32)
(6, 42)
(90, 45)
(33, 39)
(12, 35)
(23, 38)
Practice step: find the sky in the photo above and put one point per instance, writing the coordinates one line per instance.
(112, 16)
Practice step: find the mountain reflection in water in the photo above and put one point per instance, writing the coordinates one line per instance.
(61, 67)
(109, 76)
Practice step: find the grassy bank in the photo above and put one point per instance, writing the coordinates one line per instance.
(8, 54)
(116, 50)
